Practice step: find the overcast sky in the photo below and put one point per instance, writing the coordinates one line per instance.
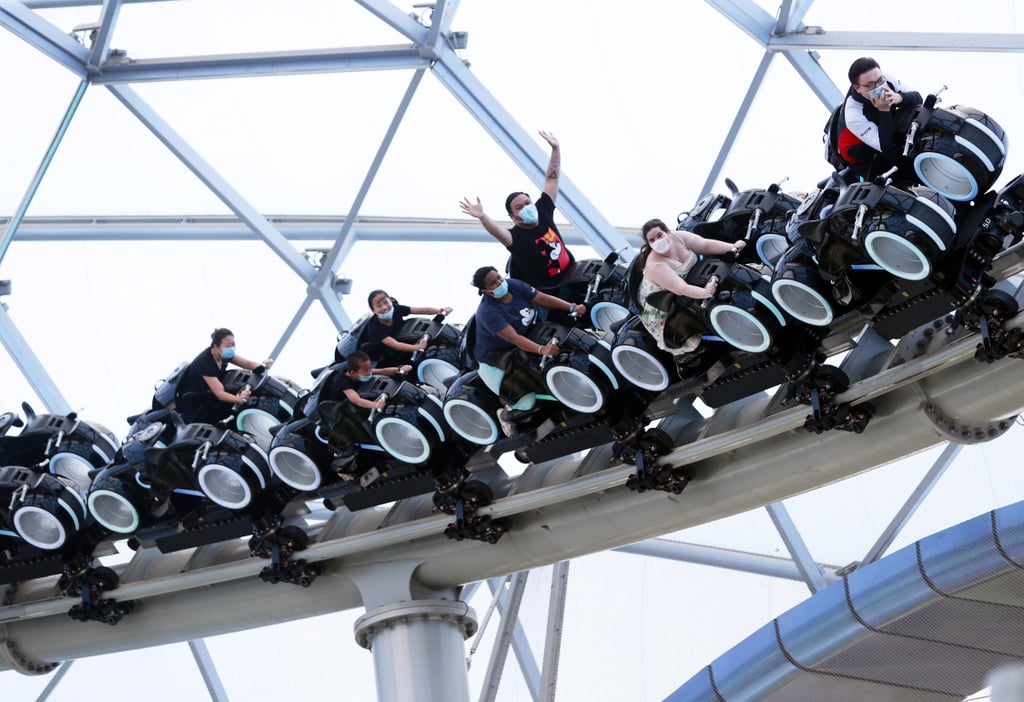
(640, 96)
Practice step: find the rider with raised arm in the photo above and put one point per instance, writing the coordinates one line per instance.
(539, 255)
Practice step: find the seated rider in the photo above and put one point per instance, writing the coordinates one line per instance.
(869, 121)
(379, 340)
(200, 395)
(360, 370)
(665, 258)
(507, 310)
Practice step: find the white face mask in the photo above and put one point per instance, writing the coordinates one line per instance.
(661, 246)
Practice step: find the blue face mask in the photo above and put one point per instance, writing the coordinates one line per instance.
(365, 378)
(228, 354)
(387, 315)
(876, 93)
(501, 290)
(528, 214)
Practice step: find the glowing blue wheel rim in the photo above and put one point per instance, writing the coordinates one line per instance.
(897, 256)
(946, 176)
(471, 422)
(295, 468)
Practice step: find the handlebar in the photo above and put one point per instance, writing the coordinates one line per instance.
(373, 412)
(544, 359)
(708, 300)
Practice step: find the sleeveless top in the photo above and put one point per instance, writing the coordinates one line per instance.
(654, 319)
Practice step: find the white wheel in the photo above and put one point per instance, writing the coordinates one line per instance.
(740, 328)
(473, 423)
(640, 367)
(802, 302)
(574, 389)
(295, 468)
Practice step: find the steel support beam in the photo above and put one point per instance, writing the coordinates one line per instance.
(54, 681)
(499, 654)
(737, 123)
(101, 42)
(324, 279)
(888, 535)
(12, 227)
(715, 557)
(44, 37)
(553, 638)
(23, 356)
(208, 670)
(261, 64)
(520, 644)
(812, 39)
(809, 570)
(213, 180)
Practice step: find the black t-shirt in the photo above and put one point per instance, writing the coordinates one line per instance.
(201, 366)
(539, 255)
(376, 332)
(193, 398)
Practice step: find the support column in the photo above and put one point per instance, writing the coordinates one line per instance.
(417, 635)
(418, 649)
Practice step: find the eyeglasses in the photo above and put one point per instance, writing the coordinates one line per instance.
(873, 84)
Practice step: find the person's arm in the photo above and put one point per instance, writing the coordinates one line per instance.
(576, 309)
(250, 365)
(431, 310)
(392, 371)
(709, 247)
(359, 401)
(525, 344)
(504, 236)
(217, 388)
(662, 275)
(554, 166)
(861, 127)
(393, 343)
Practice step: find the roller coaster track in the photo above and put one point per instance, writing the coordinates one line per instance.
(927, 389)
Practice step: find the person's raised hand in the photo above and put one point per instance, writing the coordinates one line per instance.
(471, 208)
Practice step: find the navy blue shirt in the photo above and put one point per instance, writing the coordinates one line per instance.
(492, 316)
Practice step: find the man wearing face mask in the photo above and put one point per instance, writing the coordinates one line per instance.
(378, 338)
(200, 395)
(869, 121)
(539, 255)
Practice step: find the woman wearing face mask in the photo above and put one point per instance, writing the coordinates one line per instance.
(507, 310)
(200, 395)
(378, 338)
(665, 258)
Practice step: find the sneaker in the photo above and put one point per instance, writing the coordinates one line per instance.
(508, 428)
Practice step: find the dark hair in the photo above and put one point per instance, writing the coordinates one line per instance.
(480, 276)
(356, 359)
(645, 248)
(373, 294)
(649, 225)
(218, 335)
(861, 65)
(510, 198)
